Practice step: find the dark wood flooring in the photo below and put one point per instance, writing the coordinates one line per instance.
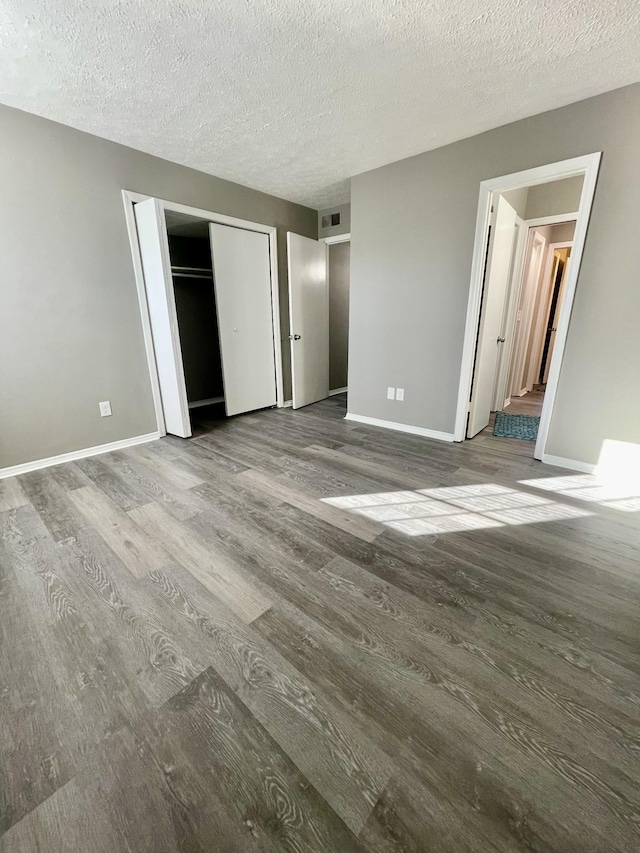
(205, 649)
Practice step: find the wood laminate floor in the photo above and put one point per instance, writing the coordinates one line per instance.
(293, 632)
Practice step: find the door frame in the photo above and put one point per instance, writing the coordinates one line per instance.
(332, 241)
(525, 243)
(538, 329)
(587, 166)
(337, 238)
(130, 198)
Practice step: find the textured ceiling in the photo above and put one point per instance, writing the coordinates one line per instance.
(293, 96)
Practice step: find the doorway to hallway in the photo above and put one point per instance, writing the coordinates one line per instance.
(529, 239)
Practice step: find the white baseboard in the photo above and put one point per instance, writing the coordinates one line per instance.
(571, 464)
(287, 404)
(337, 391)
(15, 470)
(413, 430)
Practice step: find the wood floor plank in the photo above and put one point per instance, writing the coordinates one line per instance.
(274, 806)
(138, 551)
(68, 686)
(11, 494)
(281, 488)
(181, 503)
(69, 476)
(123, 492)
(337, 757)
(51, 502)
(215, 572)
(176, 476)
(142, 633)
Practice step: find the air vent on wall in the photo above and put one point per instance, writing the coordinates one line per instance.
(331, 220)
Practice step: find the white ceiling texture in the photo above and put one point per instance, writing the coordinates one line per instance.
(295, 96)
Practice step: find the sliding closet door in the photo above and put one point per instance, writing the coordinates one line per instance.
(242, 280)
(154, 251)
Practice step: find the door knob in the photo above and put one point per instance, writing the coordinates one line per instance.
(500, 340)
(294, 337)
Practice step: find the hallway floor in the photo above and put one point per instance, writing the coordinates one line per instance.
(530, 404)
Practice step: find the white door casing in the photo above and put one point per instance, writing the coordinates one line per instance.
(242, 282)
(492, 316)
(309, 319)
(156, 265)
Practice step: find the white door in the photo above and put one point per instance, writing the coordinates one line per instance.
(156, 265)
(524, 321)
(242, 281)
(308, 319)
(491, 316)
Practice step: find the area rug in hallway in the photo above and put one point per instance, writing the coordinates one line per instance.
(516, 426)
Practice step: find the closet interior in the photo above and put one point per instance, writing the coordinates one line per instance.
(192, 277)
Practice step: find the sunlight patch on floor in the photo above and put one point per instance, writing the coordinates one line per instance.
(620, 493)
(455, 508)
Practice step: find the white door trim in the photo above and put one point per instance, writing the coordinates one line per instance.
(586, 165)
(130, 198)
(337, 238)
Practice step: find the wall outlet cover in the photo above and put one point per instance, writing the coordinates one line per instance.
(391, 393)
(399, 393)
(105, 409)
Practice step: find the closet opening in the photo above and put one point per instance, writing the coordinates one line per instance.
(192, 276)
(209, 303)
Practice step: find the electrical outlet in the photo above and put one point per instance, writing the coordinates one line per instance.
(391, 393)
(105, 409)
(399, 393)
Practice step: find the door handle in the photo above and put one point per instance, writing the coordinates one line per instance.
(500, 340)
(294, 337)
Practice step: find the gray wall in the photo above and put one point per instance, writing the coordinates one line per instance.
(70, 332)
(554, 197)
(412, 229)
(339, 263)
(345, 221)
